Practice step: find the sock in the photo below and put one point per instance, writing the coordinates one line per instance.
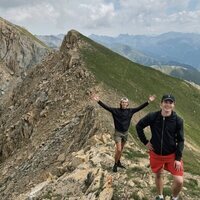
(174, 198)
(161, 196)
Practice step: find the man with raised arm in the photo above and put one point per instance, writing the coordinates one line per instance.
(122, 119)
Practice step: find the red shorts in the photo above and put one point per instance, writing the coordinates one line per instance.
(158, 162)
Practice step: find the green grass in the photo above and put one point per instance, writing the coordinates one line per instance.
(137, 82)
(134, 170)
(191, 162)
(117, 193)
(49, 195)
(133, 155)
(136, 197)
(192, 186)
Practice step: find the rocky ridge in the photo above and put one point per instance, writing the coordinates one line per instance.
(45, 114)
(57, 144)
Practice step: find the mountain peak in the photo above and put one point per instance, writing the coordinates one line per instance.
(70, 40)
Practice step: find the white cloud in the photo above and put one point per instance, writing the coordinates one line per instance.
(98, 15)
(33, 17)
(31, 12)
(108, 17)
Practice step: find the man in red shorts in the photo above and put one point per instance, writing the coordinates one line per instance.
(166, 144)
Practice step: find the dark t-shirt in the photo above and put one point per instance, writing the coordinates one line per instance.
(122, 117)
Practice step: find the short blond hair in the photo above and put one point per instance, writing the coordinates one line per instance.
(125, 99)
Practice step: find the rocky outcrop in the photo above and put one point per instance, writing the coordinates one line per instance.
(5, 77)
(19, 50)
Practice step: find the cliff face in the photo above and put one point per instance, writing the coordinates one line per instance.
(49, 90)
(19, 50)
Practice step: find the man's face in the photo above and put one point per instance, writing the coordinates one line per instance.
(124, 104)
(167, 106)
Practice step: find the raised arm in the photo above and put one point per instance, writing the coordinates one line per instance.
(97, 99)
(150, 99)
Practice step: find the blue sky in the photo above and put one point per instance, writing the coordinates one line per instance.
(104, 17)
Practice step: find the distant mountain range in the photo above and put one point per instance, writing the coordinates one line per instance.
(53, 41)
(176, 54)
(172, 46)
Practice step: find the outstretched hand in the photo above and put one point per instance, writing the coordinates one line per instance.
(95, 97)
(152, 98)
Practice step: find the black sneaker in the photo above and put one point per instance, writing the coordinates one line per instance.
(158, 198)
(115, 168)
(120, 165)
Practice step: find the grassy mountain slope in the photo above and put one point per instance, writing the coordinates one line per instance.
(137, 82)
(142, 57)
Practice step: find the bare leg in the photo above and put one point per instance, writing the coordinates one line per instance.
(159, 182)
(118, 151)
(122, 147)
(177, 185)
